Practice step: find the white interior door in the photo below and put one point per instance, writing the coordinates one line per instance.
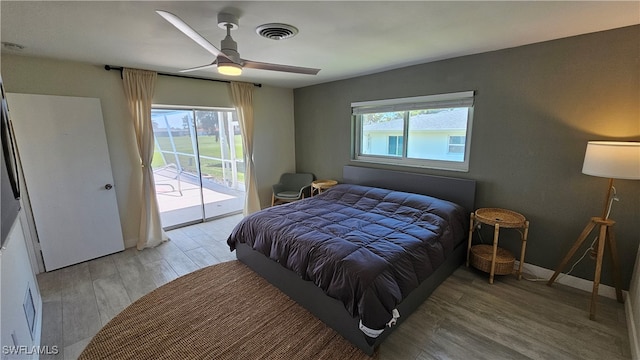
(67, 170)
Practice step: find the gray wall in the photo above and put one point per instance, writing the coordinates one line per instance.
(536, 107)
(273, 108)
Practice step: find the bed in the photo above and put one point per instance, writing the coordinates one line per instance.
(364, 254)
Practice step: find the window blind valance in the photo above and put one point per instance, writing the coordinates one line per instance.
(440, 101)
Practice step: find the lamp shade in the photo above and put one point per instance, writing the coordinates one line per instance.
(612, 159)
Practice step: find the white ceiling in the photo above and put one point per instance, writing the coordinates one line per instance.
(344, 39)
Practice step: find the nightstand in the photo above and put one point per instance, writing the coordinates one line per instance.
(319, 186)
(490, 258)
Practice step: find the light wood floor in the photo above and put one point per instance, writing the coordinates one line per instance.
(78, 300)
(465, 318)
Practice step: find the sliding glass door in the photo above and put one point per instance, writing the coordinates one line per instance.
(198, 164)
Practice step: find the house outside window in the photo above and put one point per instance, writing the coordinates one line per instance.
(428, 131)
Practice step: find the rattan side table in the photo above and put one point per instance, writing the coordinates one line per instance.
(319, 186)
(498, 218)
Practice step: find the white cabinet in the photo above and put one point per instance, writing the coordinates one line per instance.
(20, 323)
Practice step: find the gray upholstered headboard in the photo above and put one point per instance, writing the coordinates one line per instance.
(459, 191)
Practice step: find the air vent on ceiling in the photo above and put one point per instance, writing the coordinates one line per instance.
(275, 31)
(12, 46)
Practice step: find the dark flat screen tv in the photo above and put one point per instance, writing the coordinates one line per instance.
(10, 187)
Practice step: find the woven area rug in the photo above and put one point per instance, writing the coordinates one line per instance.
(225, 311)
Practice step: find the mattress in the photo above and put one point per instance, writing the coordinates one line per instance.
(367, 247)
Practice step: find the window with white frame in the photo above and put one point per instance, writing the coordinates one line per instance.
(427, 131)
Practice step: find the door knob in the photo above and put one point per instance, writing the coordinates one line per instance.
(108, 186)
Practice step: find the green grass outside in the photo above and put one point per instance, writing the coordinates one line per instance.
(207, 146)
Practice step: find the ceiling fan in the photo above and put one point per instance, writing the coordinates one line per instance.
(228, 59)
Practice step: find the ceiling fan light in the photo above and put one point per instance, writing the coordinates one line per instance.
(230, 69)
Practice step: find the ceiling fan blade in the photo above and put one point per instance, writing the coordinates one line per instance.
(249, 64)
(188, 30)
(203, 67)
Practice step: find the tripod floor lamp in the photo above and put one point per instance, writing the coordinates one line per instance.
(613, 160)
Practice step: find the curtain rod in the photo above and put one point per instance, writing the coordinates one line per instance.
(120, 68)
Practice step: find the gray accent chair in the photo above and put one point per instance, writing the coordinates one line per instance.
(292, 187)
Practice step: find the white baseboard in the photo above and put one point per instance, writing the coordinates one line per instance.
(131, 242)
(569, 280)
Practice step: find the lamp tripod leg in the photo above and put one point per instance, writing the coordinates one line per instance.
(602, 239)
(587, 230)
(613, 252)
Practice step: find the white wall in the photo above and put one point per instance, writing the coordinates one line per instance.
(16, 276)
(633, 310)
(274, 145)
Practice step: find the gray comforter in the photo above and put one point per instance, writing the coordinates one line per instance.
(367, 247)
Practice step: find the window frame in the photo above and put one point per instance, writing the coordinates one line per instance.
(463, 99)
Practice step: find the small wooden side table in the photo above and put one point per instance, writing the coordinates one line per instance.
(499, 218)
(319, 186)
